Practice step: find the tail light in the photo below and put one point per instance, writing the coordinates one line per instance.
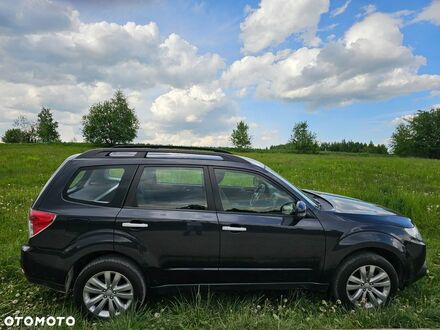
(39, 220)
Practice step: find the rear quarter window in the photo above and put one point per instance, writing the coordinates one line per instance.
(95, 185)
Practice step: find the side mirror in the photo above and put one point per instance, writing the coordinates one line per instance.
(299, 210)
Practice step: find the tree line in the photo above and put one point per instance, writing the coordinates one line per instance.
(109, 122)
(351, 146)
(45, 129)
(114, 121)
(417, 136)
(302, 140)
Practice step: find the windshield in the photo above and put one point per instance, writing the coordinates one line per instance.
(267, 168)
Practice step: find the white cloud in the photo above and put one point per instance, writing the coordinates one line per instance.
(402, 119)
(197, 115)
(340, 10)
(188, 105)
(368, 62)
(366, 10)
(270, 136)
(20, 16)
(405, 118)
(130, 55)
(189, 137)
(328, 27)
(49, 57)
(275, 20)
(430, 13)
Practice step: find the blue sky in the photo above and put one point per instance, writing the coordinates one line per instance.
(193, 68)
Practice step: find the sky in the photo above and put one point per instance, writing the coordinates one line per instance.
(353, 69)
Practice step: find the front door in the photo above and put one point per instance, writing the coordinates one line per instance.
(168, 214)
(259, 244)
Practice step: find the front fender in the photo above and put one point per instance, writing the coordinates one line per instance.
(365, 240)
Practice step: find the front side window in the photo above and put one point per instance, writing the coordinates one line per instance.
(96, 185)
(248, 192)
(171, 188)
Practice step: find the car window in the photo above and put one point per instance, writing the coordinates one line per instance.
(97, 185)
(248, 192)
(171, 188)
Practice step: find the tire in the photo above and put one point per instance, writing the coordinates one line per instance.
(108, 286)
(354, 285)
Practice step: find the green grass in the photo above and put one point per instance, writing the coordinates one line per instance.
(408, 185)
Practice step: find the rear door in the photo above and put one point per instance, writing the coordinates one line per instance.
(170, 216)
(258, 243)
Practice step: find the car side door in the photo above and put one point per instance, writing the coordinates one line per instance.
(258, 243)
(170, 222)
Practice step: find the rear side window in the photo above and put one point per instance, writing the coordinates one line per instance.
(171, 188)
(95, 185)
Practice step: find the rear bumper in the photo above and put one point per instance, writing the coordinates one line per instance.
(43, 268)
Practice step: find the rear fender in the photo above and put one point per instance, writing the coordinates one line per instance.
(86, 249)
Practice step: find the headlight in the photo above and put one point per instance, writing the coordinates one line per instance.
(414, 233)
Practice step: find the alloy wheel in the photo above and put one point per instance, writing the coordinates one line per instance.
(368, 286)
(108, 293)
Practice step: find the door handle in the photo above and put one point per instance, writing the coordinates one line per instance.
(134, 225)
(230, 228)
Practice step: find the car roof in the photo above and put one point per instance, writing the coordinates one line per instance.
(168, 153)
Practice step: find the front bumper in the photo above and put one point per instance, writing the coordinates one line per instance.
(416, 266)
(422, 272)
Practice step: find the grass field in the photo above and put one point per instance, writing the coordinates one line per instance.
(410, 186)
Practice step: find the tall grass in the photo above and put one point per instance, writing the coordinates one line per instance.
(408, 185)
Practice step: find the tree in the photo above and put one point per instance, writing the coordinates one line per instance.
(418, 136)
(402, 142)
(13, 135)
(47, 126)
(426, 129)
(110, 122)
(27, 128)
(240, 137)
(302, 139)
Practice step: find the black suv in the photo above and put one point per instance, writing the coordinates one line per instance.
(113, 224)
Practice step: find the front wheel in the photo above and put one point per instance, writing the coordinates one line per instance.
(108, 286)
(365, 280)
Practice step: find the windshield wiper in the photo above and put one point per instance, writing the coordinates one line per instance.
(193, 207)
(238, 210)
(317, 203)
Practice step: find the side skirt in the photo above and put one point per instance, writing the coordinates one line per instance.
(321, 287)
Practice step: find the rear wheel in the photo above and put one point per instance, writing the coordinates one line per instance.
(365, 280)
(108, 286)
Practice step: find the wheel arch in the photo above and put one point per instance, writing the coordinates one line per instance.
(385, 245)
(81, 262)
(391, 257)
